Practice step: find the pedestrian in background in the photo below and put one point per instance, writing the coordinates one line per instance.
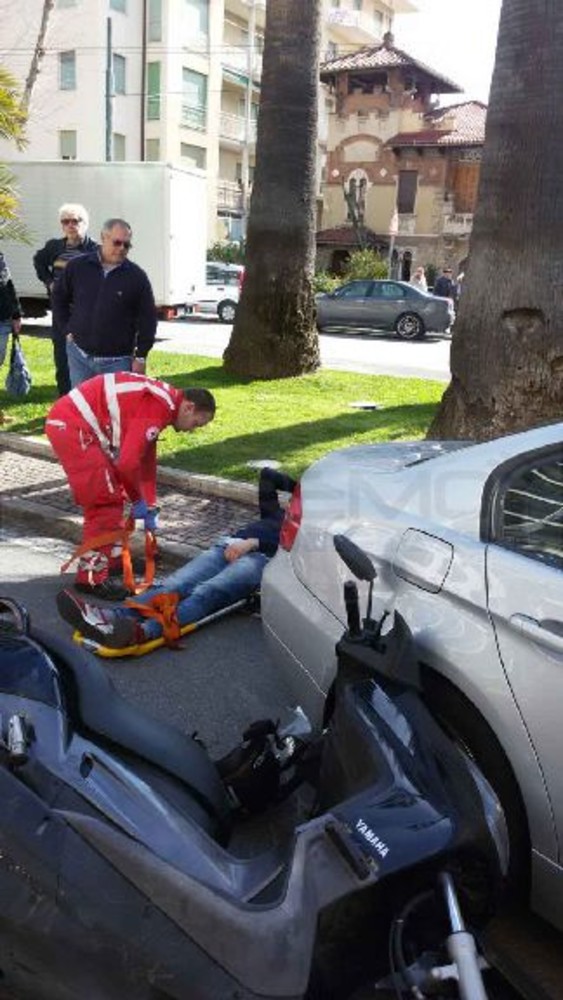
(10, 313)
(445, 285)
(418, 280)
(104, 305)
(104, 434)
(49, 263)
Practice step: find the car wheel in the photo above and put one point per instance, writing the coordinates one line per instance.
(409, 326)
(465, 724)
(226, 311)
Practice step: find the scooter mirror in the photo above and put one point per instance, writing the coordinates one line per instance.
(357, 561)
(13, 614)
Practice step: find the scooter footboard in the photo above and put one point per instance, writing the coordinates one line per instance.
(404, 790)
(250, 941)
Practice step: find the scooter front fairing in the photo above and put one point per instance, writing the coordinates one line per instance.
(116, 873)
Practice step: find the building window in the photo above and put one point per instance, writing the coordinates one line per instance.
(67, 145)
(357, 4)
(152, 149)
(197, 12)
(119, 146)
(195, 156)
(194, 99)
(254, 109)
(155, 21)
(406, 195)
(67, 70)
(66, 3)
(119, 73)
(378, 18)
(238, 173)
(153, 91)
(118, 5)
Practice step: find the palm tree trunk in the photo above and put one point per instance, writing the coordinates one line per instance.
(38, 53)
(274, 335)
(507, 349)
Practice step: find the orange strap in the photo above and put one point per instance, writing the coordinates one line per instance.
(163, 608)
(151, 548)
(122, 535)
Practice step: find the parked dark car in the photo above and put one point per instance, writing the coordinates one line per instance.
(384, 305)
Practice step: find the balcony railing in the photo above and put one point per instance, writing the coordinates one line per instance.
(407, 225)
(458, 224)
(194, 116)
(229, 196)
(359, 25)
(234, 127)
(236, 60)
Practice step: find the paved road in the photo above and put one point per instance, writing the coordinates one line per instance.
(217, 684)
(375, 354)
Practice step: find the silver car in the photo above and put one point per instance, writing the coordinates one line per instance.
(467, 541)
(385, 305)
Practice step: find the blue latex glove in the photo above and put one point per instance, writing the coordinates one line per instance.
(139, 511)
(151, 520)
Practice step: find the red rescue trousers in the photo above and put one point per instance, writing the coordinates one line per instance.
(95, 487)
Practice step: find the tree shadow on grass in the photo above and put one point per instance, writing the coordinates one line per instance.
(287, 444)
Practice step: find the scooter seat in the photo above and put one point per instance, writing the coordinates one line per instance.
(96, 705)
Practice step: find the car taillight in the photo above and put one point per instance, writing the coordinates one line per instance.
(292, 520)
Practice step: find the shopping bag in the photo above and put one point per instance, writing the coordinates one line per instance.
(18, 379)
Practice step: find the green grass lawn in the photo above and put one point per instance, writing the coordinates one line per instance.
(294, 421)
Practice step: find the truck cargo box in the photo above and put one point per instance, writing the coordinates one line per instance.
(165, 205)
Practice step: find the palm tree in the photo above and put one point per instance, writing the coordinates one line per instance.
(12, 125)
(274, 335)
(38, 53)
(507, 349)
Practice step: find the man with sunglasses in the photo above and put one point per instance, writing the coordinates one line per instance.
(49, 263)
(104, 304)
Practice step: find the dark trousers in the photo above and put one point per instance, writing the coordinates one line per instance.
(61, 362)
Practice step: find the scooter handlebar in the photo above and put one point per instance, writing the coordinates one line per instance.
(352, 609)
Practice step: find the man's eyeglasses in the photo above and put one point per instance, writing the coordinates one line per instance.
(68, 222)
(126, 244)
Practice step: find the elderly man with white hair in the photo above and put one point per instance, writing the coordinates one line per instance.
(50, 262)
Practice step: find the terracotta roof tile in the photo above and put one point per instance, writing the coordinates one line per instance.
(467, 127)
(346, 236)
(385, 57)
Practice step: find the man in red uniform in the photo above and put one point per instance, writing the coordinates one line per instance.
(104, 433)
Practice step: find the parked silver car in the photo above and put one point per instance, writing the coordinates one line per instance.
(385, 305)
(467, 541)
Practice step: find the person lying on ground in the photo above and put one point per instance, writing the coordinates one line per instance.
(229, 571)
(104, 434)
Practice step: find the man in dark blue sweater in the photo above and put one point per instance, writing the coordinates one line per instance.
(229, 571)
(104, 305)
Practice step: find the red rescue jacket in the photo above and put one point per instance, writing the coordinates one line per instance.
(125, 413)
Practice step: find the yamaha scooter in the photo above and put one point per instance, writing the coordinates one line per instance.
(134, 867)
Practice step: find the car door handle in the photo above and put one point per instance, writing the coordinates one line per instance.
(546, 633)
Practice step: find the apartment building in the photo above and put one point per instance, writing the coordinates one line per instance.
(170, 80)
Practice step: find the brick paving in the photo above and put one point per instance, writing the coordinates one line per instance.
(187, 518)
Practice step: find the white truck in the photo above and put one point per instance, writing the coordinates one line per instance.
(165, 205)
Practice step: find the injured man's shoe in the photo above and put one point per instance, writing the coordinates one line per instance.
(100, 624)
(110, 589)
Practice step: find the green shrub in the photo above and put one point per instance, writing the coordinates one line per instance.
(325, 282)
(431, 272)
(365, 264)
(228, 253)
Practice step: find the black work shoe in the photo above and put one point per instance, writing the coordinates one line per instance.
(100, 624)
(109, 589)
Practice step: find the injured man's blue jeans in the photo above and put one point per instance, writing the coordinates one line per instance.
(206, 584)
